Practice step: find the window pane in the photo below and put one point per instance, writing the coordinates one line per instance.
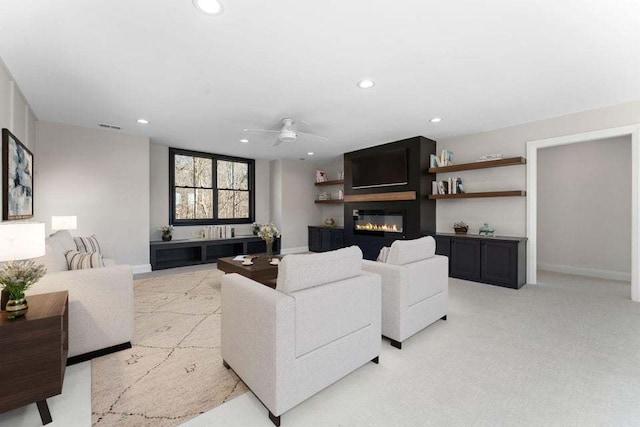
(203, 169)
(185, 203)
(240, 176)
(233, 204)
(204, 204)
(233, 175)
(225, 174)
(184, 171)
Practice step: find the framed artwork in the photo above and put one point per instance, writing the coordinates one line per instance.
(17, 178)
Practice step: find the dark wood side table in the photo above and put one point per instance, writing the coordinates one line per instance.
(261, 271)
(33, 353)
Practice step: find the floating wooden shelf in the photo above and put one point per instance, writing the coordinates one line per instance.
(330, 201)
(510, 161)
(510, 193)
(334, 182)
(381, 197)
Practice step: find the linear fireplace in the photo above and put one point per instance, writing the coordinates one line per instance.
(378, 222)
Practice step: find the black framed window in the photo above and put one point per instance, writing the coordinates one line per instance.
(207, 188)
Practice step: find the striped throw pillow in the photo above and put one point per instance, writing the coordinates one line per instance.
(87, 244)
(79, 261)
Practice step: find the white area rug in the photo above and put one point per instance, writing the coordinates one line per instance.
(174, 370)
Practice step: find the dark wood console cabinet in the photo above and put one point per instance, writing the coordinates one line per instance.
(323, 238)
(34, 352)
(499, 261)
(180, 253)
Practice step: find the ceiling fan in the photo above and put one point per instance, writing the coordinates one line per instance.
(288, 132)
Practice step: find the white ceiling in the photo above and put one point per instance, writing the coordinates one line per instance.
(201, 79)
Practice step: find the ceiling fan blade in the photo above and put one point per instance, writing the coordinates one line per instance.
(312, 135)
(276, 143)
(260, 130)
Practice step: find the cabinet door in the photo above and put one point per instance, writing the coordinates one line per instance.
(315, 240)
(465, 258)
(325, 245)
(442, 245)
(337, 239)
(500, 263)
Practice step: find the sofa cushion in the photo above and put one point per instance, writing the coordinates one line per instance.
(407, 251)
(384, 254)
(79, 261)
(87, 244)
(303, 271)
(62, 239)
(53, 259)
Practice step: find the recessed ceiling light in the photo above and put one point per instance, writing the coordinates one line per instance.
(310, 153)
(366, 84)
(244, 141)
(210, 7)
(143, 121)
(436, 120)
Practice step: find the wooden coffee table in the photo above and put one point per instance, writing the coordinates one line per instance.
(33, 353)
(261, 271)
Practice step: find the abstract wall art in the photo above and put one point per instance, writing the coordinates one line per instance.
(17, 178)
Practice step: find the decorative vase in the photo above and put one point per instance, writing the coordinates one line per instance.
(4, 298)
(329, 222)
(269, 244)
(166, 237)
(461, 230)
(16, 307)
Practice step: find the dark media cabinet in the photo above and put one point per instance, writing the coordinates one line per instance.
(180, 253)
(323, 238)
(499, 261)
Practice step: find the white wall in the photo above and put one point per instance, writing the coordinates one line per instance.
(159, 196)
(508, 215)
(584, 208)
(15, 113)
(100, 176)
(292, 205)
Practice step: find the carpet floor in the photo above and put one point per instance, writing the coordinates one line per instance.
(174, 370)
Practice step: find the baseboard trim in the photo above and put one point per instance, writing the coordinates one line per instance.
(141, 268)
(98, 353)
(589, 272)
(297, 250)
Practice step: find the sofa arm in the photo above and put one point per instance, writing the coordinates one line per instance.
(257, 335)
(395, 282)
(101, 305)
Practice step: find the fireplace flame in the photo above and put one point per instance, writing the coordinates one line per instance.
(378, 227)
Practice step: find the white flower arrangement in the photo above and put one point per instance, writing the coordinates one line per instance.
(166, 229)
(268, 232)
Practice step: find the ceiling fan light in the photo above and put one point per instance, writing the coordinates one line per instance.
(288, 135)
(209, 7)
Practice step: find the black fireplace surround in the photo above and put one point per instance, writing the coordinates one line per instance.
(372, 225)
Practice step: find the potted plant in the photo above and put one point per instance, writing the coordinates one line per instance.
(16, 277)
(255, 227)
(268, 233)
(461, 227)
(167, 232)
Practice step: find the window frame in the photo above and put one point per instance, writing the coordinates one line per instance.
(251, 164)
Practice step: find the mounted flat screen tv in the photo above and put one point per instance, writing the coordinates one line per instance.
(384, 169)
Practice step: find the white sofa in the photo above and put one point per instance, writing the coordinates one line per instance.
(415, 288)
(320, 323)
(101, 301)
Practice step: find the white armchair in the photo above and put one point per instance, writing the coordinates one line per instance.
(320, 323)
(415, 288)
